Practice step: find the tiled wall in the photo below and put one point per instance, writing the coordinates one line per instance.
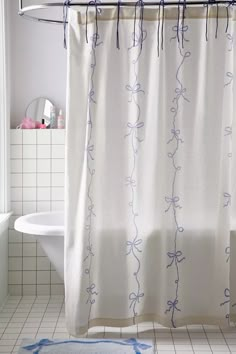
(37, 184)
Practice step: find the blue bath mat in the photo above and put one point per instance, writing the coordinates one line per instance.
(87, 346)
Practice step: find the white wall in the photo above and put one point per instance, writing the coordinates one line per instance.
(37, 62)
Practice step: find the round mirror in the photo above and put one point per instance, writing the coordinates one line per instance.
(39, 109)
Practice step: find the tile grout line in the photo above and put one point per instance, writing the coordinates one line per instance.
(25, 319)
(11, 317)
(226, 342)
(63, 302)
(190, 339)
(207, 338)
(45, 310)
(172, 340)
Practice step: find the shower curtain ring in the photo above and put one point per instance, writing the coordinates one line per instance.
(117, 25)
(66, 4)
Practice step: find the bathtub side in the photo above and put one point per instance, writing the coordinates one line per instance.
(4, 221)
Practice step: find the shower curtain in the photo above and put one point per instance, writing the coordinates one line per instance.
(150, 167)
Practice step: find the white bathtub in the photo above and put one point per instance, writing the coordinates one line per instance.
(4, 221)
(48, 227)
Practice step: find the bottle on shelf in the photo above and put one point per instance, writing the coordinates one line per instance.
(60, 120)
(53, 124)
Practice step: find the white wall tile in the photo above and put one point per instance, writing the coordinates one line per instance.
(43, 263)
(43, 277)
(57, 289)
(43, 151)
(58, 136)
(29, 207)
(29, 152)
(15, 277)
(15, 263)
(29, 137)
(29, 263)
(16, 208)
(15, 250)
(16, 136)
(43, 206)
(16, 166)
(15, 236)
(29, 249)
(12, 221)
(43, 289)
(16, 194)
(57, 193)
(57, 206)
(55, 278)
(16, 180)
(29, 179)
(58, 179)
(15, 290)
(44, 136)
(29, 238)
(37, 182)
(40, 251)
(16, 152)
(43, 193)
(43, 179)
(29, 277)
(29, 194)
(58, 165)
(44, 166)
(29, 165)
(58, 151)
(29, 289)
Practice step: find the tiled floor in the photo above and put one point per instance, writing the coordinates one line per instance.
(43, 317)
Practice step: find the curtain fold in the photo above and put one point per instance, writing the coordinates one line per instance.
(150, 169)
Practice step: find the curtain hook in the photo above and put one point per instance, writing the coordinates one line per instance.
(158, 30)
(162, 25)
(117, 25)
(217, 20)
(66, 4)
(178, 17)
(183, 20)
(227, 16)
(141, 22)
(207, 14)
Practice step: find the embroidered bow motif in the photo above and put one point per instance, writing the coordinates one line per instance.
(91, 291)
(130, 182)
(91, 92)
(176, 133)
(133, 244)
(133, 130)
(175, 256)
(228, 199)
(180, 93)
(231, 39)
(135, 298)
(228, 131)
(172, 305)
(135, 88)
(172, 202)
(227, 252)
(89, 150)
(230, 76)
(138, 38)
(227, 296)
(180, 29)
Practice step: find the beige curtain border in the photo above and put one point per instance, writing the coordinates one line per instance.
(151, 13)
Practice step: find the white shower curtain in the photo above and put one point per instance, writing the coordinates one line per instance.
(149, 199)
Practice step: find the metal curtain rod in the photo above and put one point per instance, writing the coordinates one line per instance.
(23, 10)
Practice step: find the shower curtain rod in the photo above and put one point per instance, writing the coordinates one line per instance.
(23, 10)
